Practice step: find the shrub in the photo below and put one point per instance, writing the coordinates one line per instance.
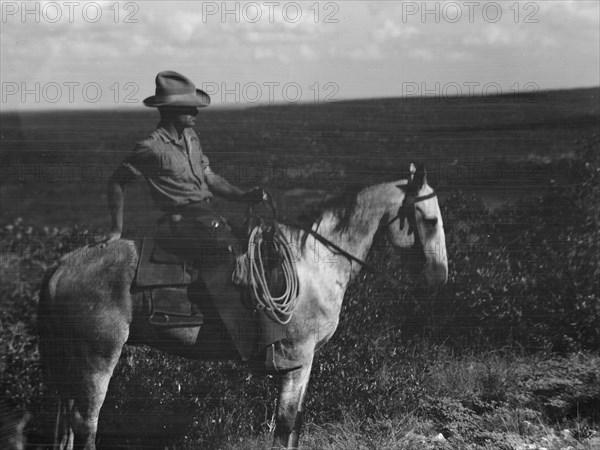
(528, 273)
(564, 388)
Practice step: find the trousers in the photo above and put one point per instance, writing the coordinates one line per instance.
(199, 233)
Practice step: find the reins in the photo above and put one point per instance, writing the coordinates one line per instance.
(280, 308)
(402, 213)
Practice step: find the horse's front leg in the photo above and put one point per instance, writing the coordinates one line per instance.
(290, 407)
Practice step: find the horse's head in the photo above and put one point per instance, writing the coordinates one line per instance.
(415, 223)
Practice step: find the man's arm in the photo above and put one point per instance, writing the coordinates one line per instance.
(220, 186)
(224, 188)
(124, 174)
(116, 201)
(141, 160)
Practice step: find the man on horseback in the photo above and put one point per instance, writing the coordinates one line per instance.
(192, 234)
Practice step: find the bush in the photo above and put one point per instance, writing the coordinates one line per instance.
(528, 273)
(564, 388)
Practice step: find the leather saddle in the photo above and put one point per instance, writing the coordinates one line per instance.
(166, 280)
(159, 267)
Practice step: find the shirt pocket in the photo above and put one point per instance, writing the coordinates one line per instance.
(174, 166)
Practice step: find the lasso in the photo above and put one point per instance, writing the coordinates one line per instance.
(281, 308)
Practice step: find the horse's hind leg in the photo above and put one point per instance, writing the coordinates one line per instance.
(96, 361)
(89, 401)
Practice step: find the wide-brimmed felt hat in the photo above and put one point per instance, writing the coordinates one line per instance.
(173, 89)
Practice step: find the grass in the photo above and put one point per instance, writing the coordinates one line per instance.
(462, 417)
(377, 384)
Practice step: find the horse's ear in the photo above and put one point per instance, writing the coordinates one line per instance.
(420, 177)
(412, 171)
(407, 172)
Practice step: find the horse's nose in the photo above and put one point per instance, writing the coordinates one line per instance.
(431, 222)
(436, 275)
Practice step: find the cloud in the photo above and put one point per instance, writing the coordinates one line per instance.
(392, 31)
(368, 51)
(366, 45)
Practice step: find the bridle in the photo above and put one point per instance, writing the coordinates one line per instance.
(406, 211)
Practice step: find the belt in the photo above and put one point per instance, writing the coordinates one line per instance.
(192, 204)
(176, 213)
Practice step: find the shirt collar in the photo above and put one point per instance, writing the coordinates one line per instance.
(164, 134)
(166, 137)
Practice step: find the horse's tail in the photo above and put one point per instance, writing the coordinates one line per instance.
(63, 436)
(45, 294)
(45, 316)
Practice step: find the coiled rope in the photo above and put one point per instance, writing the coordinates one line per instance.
(280, 308)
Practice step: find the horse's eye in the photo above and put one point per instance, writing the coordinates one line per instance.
(431, 222)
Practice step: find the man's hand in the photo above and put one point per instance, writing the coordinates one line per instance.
(113, 235)
(255, 195)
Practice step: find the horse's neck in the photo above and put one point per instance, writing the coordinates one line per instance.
(357, 237)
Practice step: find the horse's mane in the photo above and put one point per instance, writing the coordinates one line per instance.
(340, 205)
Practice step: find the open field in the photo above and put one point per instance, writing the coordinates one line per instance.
(497, 147)
(506, 358)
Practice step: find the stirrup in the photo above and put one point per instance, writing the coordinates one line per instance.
(175, 321)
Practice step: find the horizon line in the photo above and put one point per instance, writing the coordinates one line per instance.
(239, 106)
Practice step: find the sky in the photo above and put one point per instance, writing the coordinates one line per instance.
(96, 54)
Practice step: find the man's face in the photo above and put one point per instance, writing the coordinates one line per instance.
(185, 117)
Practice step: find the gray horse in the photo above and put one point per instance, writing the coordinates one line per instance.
(88, 311)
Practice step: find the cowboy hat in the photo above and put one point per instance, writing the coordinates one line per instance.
(173, 89)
